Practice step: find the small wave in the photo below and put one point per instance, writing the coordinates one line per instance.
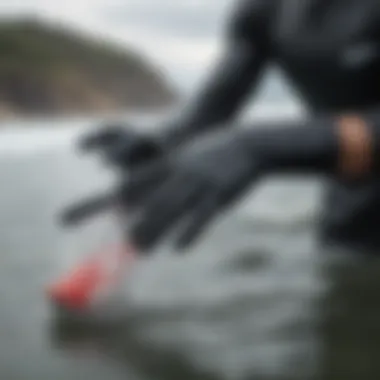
(25, 137)
(33, 137)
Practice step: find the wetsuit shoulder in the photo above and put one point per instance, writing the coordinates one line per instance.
(251, 20)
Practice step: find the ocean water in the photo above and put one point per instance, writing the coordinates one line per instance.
(255, 299)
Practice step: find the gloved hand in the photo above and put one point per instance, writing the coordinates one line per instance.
(197, 185)
(200, 182)
(127, 150)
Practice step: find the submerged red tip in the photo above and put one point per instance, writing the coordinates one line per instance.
(78, 289)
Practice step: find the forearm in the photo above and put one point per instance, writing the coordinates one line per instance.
(343, 145)
(235, 77)
(220, 98)
(223, 94)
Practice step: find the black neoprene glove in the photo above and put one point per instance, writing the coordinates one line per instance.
(129, 150)
(202, 180)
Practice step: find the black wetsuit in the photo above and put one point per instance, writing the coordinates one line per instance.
(330, 50)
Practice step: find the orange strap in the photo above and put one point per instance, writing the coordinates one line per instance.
(356, 146)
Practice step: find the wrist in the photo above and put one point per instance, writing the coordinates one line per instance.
(356, 150)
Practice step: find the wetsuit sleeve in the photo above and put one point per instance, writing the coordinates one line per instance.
(234, 77)
(344, 145)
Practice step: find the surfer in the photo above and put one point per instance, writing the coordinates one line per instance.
(199, 165)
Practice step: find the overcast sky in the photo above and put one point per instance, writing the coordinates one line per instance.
(182, 36)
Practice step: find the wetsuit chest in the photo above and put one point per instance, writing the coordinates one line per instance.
(330, 50)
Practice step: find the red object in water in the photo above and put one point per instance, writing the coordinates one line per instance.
(97, 275)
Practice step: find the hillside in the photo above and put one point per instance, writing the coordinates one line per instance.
(50, 70)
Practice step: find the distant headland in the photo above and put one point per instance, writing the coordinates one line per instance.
(50, 70)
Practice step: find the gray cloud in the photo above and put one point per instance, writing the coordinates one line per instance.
(180, 35)
(189, 19)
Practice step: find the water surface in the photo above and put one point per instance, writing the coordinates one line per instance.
(256, 299)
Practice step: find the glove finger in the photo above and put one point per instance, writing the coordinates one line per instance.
(143, 181)
(200, 218)
(132, 152)
(87, 208)
(166, 206)
(107, 136)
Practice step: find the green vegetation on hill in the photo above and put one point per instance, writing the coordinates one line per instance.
(47, 69)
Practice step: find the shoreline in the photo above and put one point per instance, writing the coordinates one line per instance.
(120, 115)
